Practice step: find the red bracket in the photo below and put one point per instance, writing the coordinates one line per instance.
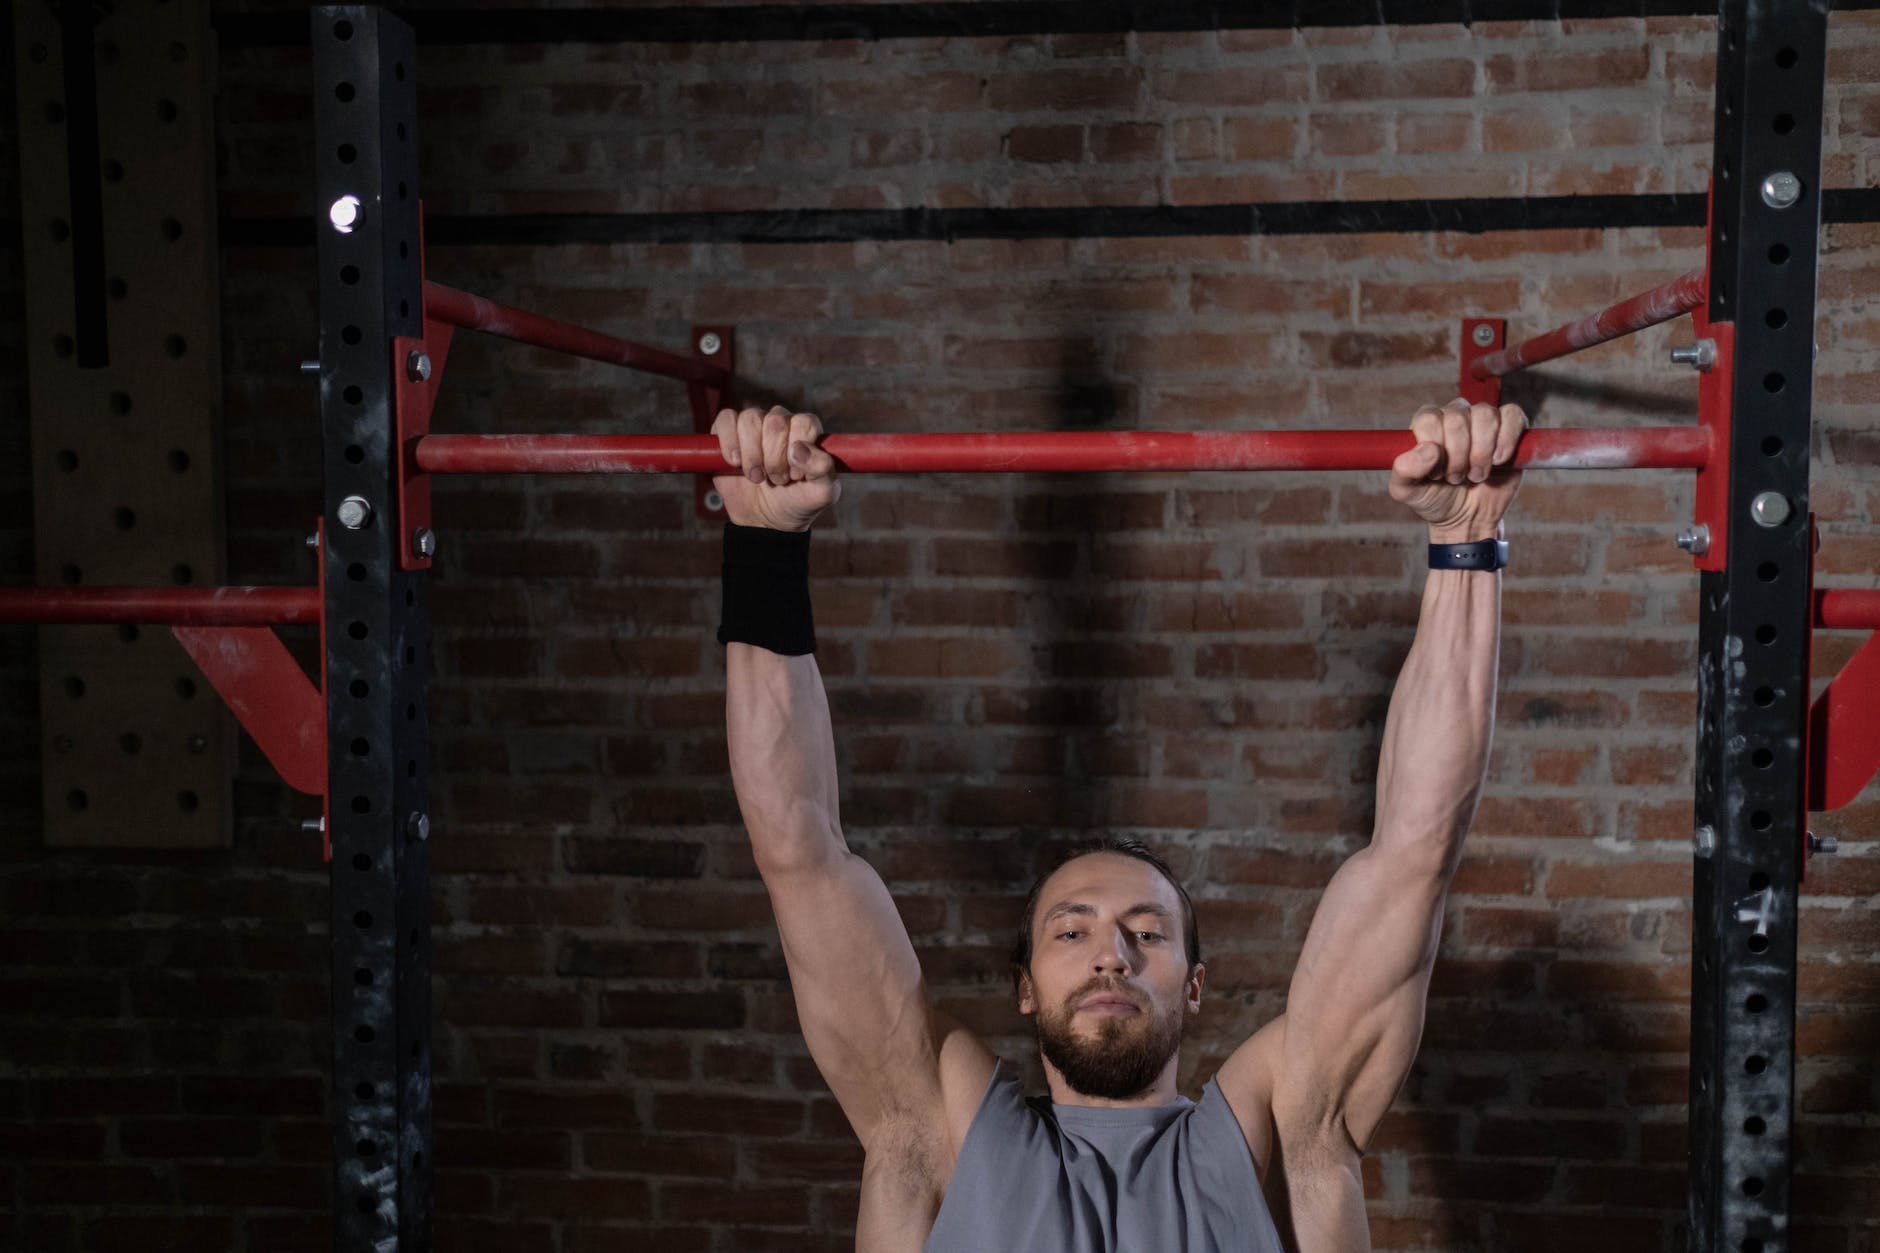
(417, 373)
(270, 695)
(1843, 745)
(1711, 508)
(1480, 337)
(715, 344)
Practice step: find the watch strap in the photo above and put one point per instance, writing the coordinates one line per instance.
(1487, 554)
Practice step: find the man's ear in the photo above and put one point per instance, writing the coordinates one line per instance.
(1027, 995)
(1197, 978)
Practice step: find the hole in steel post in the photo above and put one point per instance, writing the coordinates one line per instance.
(347, 154)
(66, 460)
(1754, 1126)
(1772, 446)
(1756, 1003)
(1786, 58)
(362, 976)
(411, 713)
(414, 939)
(1752, 1186)
(74, 686)
(1778, 254)
(398, 70)
(417, 1049)
(1773, 382)
(174, 346)
(349, 335)
(120, 403)
(182, 575)
(349, 275)
(356, 572)
(411, 654)
(166, 111)
(361, 862)
(1782, 124)
(128, 633)
(364, 1034)
(1755, 1064)
(1762, 759)
(131, 743)
(353, 395)
(1776, 319)
(1758, 881)
(358, 688)
(172, 229)
(76, 800)
(1768, 572)
(188, 802)
(403, 192)
(411, 770)
(363, 1091)
(123, 518)
(404, 308)
(344, 92)
(1751, 1244)
(361, 748)
(1724, 169)
(1765, 634)
(1760, 820)
(362, 920)
(356, 629)
(186, 688)
(362, 804)
(1758, 943)
(342, 30)
(1764, 697)
(355, 454)
(366, 1148)
(417, 1159)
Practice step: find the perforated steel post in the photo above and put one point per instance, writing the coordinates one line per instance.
(1754, 630)
(366, 151)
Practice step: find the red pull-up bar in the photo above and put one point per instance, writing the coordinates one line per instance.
(475, 313)
(1665, 448)
(176, 606)
(1660, 304)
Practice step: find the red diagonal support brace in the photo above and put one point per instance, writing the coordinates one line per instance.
(269, 694)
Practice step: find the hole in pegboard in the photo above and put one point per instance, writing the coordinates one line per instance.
(117, 288)
(131, 743)
(178, 459)
(175, 346)
(71, 575)
(123, 518)
(188, 802)
(63, 345)
(186, 688)
(129, 634)
(60, 230)
(113, 170)
(77, 801)
(181, 574)
(74, 686)
(66, 460)
(120, 403)
(172, 229)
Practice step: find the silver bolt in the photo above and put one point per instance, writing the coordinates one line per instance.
(713, 501)
(313, 540)
(1695, 540)
(355, 513)
(709, 343)
(1702, 354)
(1781, 189)
(424, 542)
(1823, 843)
(418, 366)
(1704, 840)
(1770, 509)
(345, 214)
(197, 744)
(418, 826)
(1483, 335)
(313, 826)
(310, 366)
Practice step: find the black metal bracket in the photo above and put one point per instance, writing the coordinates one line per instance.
(1754, 629)
(366, 161)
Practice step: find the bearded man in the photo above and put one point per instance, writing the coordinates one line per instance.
(1108, 962)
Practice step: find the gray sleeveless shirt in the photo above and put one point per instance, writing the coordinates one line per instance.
(1034, 1177)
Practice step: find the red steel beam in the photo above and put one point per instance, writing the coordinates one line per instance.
(192, 606)
(1843, 610)
(1660, 304)
(1671, 447)
(475, 313)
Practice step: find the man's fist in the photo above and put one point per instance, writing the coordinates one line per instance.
(1459, 477)
(786, 479)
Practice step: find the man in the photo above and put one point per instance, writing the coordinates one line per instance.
(957, 1161)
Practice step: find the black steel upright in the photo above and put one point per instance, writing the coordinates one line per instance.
(1754, 629)
(366, 158)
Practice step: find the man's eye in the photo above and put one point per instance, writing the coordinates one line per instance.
(1069, 935)
(1148, 936)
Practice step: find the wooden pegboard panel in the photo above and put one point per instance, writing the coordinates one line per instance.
(123, 353)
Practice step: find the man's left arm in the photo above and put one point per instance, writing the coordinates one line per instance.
(1331, 1065)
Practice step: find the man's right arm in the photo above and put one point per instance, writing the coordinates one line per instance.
(863, 1005)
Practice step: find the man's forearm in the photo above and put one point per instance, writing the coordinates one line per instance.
(1442, 719)
(783, 761)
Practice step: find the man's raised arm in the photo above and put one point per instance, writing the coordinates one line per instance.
(858, 988)
(1354, 1014)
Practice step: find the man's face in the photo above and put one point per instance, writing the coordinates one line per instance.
(1109, 986)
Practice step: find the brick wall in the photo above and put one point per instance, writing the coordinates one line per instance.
(1203, 660)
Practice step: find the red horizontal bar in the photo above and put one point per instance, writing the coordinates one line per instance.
(1670, 447)
(193, 606)
(1841, 610)
(1660, 304)
(460, 308)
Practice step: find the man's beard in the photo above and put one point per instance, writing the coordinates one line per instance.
(1123, 1058)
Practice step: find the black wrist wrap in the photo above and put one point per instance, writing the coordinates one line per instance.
(766, 590)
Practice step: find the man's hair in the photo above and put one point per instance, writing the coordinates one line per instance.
(1191, 934)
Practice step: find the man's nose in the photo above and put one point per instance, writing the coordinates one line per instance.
(1114, 957)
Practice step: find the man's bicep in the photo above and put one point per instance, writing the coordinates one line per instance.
(859, 993)
(1355, 1010)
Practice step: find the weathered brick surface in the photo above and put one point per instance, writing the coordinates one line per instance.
(1203, 659)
